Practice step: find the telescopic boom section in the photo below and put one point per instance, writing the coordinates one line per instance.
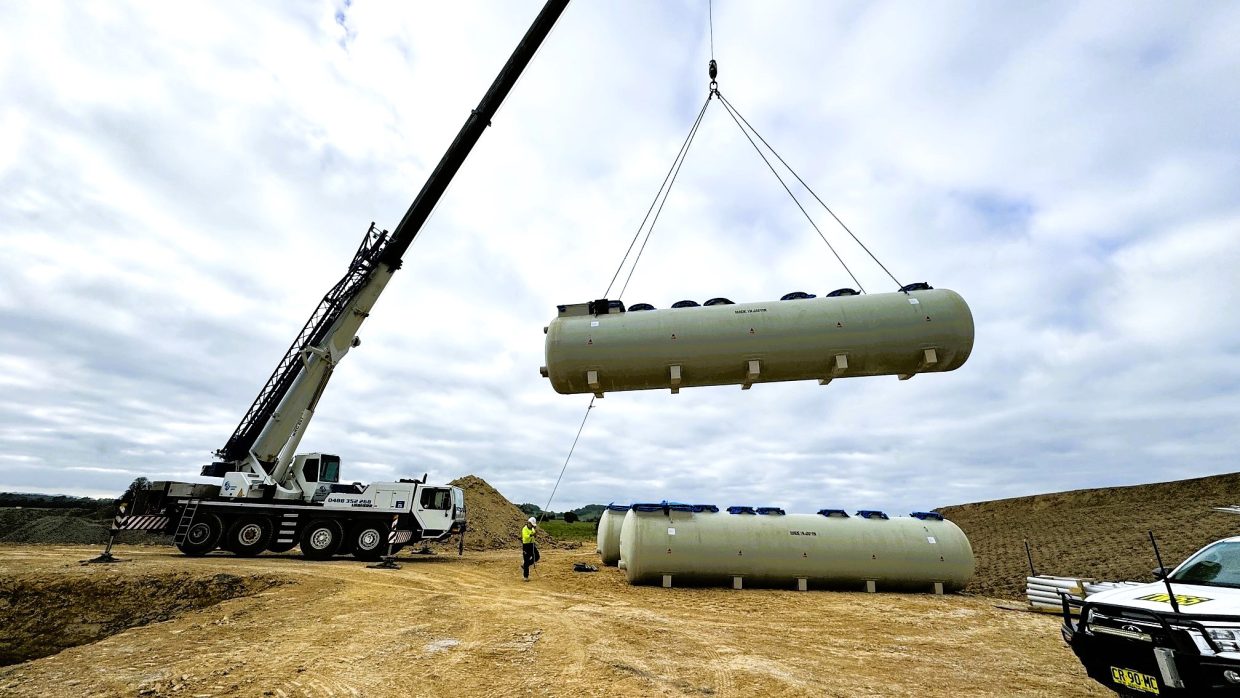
(278, 417)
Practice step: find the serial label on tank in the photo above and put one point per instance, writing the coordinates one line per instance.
(802, 533)
(742, 311)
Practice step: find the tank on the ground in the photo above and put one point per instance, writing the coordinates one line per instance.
(829, 549)
(609, 533)
(599, 347)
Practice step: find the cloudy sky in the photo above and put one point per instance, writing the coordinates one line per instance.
(180, 183)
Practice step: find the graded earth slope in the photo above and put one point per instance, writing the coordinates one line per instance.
(1099, 533)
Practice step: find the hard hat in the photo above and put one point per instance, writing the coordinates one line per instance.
(533, 521)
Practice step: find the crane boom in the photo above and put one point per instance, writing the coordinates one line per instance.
(278, 416)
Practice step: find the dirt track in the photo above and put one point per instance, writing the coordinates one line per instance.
(445, 626)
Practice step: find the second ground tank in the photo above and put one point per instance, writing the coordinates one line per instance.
(609, 533)
(829, 549)
(598, 347)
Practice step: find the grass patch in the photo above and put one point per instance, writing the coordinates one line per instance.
(581, 530)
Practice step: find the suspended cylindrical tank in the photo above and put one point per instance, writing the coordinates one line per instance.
(599, 347)
(609, 533)
(829, 549)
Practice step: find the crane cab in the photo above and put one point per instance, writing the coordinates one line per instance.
(316, 475)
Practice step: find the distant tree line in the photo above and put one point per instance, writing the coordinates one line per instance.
(589, 513)
(99, 506)
(50, 501)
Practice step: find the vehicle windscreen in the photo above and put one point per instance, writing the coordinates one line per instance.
(1217, 565)
(331, 469)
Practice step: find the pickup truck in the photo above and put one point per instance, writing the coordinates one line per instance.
(1134, 642)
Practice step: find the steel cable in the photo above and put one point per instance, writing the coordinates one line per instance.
(671, 172)
(569, 457)
(809, 218)
(732, 109)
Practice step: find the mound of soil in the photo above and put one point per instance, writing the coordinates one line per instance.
(58, 529)
(41, 615)
(1099, 533)
(494, 522)
(42, 526)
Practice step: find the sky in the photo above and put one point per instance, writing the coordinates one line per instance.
(181, 182)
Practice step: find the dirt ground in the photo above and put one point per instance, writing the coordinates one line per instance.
(448, 626)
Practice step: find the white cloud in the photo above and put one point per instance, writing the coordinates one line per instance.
(179, 187)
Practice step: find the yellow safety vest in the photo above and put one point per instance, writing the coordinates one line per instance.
(527, 535)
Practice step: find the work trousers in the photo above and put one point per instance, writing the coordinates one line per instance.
(529, 555)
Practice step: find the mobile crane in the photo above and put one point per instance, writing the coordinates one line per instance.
(272, 498)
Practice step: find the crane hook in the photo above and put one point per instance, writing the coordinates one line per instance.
(714, 73)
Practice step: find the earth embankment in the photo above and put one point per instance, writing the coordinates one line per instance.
(1100, 533)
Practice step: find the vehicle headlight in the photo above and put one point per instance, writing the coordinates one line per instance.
(1227, 639)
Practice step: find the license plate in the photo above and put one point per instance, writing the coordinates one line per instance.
(1134, 680)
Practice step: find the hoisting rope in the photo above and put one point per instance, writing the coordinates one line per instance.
(710, 14)
(735, 114)
(665, 189)
(567, 459)
(808, 217)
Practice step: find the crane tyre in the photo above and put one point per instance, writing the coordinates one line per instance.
(321, 539)
(368, 540)
(248, 536)
(203, 535)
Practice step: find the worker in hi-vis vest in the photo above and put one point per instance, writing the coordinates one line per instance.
(529, 551)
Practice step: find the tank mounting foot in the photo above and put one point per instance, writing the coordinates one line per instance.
(751, 375)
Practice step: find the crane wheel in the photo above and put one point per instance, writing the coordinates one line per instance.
(203, 535)
(248, 536)
(321, 539)
(368, 539)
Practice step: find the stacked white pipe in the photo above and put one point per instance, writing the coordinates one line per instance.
(1045, 592)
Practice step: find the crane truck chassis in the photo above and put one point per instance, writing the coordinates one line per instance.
(362, 520)
(272, 498)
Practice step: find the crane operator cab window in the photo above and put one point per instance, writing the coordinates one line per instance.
(436, 499)
(321, 468)
(329, 468)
